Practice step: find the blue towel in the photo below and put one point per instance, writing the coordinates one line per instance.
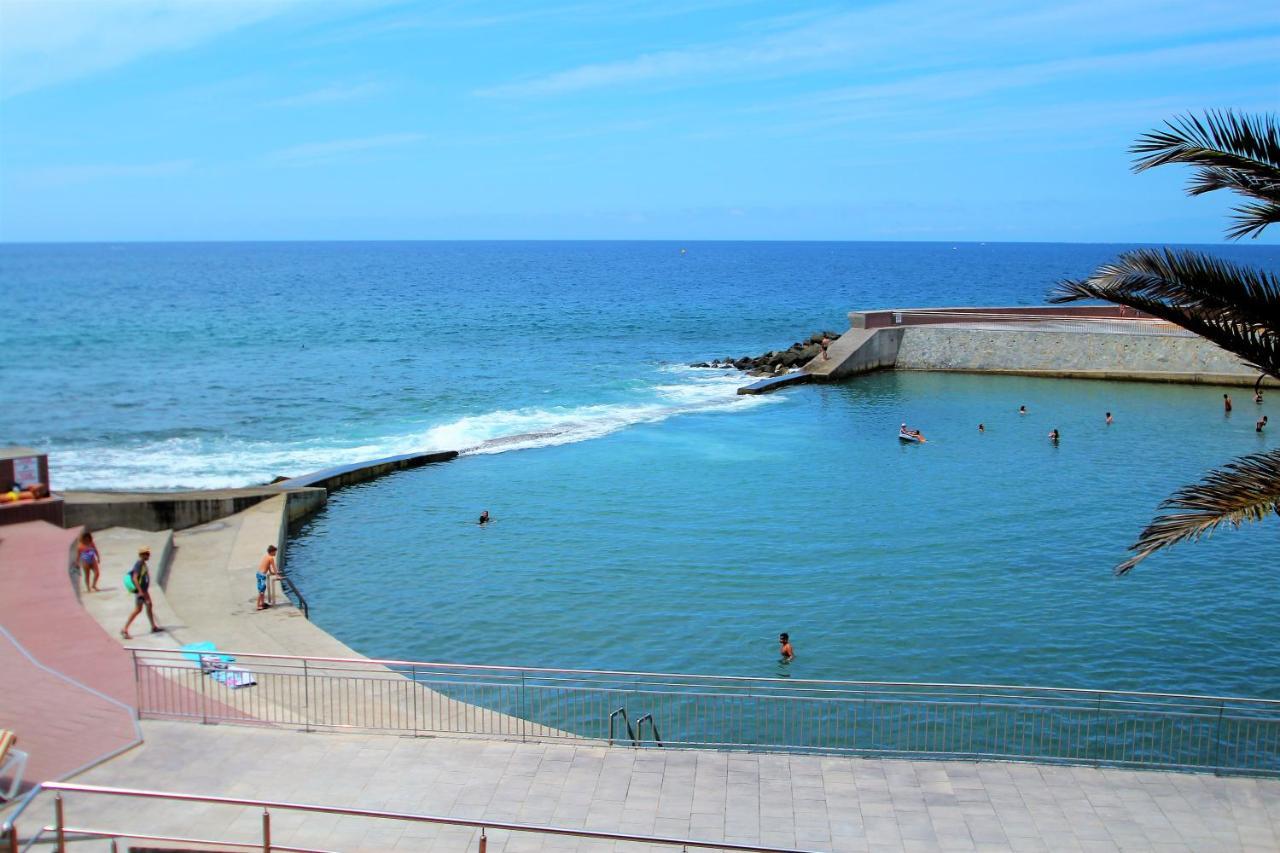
(196, 652)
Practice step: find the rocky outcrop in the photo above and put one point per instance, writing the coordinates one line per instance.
(774, 361)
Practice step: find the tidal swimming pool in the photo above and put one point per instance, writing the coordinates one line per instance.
(686, 544)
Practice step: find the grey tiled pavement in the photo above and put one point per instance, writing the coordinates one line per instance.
(811, 802)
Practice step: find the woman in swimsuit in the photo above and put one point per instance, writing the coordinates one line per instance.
(87, 561)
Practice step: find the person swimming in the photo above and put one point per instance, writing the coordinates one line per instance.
(1022, 410)
(910, 433)
(484, 517)
(784, 642)
(1053, 435)
(981, 428)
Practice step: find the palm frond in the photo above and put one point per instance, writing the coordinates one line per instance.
(1235, 307)
(1246, 489)
(1251, 219)
(1231, 151)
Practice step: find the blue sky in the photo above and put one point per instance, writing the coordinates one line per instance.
(711, 119)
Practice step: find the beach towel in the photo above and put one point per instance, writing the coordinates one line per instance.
(233, 677)
(205, 655)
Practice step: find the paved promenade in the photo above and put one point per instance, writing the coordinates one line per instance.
(811, 802)
(65, 686)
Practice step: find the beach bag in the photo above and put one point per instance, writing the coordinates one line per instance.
(128, 582)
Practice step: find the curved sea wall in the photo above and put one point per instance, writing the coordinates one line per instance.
(1071, 353)
(181, 510)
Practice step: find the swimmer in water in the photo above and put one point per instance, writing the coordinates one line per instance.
(1261, 424)
(1109, 419)
(484, 517)
(788, 653)
(1053, 435)
(1257, 397)
(1226, 403)
(981, 428)
(1022, 410)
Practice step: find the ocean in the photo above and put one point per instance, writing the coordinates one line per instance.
(647, 517)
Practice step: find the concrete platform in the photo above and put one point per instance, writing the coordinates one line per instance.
(773, 383)
(209, 595)
(809, 802)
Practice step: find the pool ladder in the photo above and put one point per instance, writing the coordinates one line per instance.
(635, 735)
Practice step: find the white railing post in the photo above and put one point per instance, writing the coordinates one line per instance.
(60, 824)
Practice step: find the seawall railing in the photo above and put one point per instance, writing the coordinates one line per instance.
(958, 721)
(1114, 321)
(60, 833)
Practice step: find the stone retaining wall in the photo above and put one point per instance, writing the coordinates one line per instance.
(1073, 353)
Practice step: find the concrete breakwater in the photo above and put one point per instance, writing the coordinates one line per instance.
(180, 510)
(1088, 342)
(1071, 353)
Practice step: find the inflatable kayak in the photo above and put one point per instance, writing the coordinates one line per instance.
(906, 436)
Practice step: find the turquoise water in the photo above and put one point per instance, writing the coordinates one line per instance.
(648, 517)
(688, 545)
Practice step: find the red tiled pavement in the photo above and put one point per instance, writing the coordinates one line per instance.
(62, 725)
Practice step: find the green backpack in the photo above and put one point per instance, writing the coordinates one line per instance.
(128, 582)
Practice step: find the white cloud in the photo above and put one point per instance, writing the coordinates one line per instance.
(47, 42)
(923, 34)
(330, 94)
(314, 153)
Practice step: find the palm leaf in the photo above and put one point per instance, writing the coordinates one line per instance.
(1231, 151)
(1235, 307)
(1247, 489)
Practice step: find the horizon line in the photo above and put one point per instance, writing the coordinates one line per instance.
(153, 242)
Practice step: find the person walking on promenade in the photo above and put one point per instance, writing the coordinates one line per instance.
(1226, 403)
(266, 569)
(140, 577)
(826, 342)
(1109, 419)
(1261, 424)
(784, 641)
(88, 561)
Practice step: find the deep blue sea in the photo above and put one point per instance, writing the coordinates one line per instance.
(647, 517)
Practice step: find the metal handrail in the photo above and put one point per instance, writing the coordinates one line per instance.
(653, 726)
(211, 842)
(348, 811)
(1143, 324)
(631, 735)
(781, 683)
(290, 587)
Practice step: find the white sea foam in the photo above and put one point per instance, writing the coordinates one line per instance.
(210, 462)
(498, 432)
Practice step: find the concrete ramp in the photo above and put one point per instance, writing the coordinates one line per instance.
(773, 383)
(856, 351)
